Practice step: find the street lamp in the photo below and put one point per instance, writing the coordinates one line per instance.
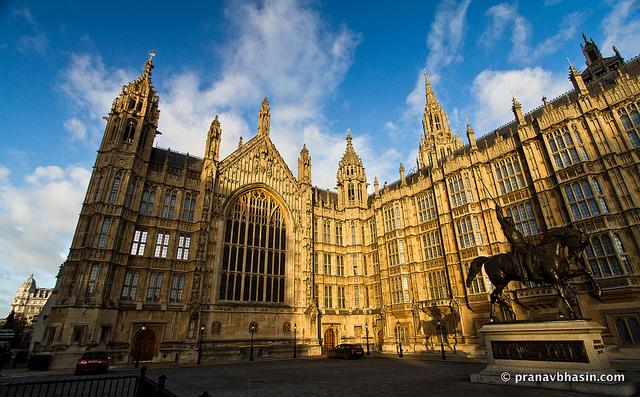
(200, 343)
(399, 339)
(252, 330)
(295, 329)
(440, 330)
(138, 345)
(366, 330)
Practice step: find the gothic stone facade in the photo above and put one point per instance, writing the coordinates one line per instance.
(171, 249)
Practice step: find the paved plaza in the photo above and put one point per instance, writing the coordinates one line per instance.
(370, 376)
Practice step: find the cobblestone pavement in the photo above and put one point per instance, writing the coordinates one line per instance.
(319, 376)
(324, 377)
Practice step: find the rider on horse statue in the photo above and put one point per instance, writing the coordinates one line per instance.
(522, 252)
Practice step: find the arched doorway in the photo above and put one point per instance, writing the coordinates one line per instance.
(329, 339)
(380, 340)
(144, 347)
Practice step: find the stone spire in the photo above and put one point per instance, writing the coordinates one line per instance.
(264, 118)
(403, 178)
(517, 110)
(430, 96)
(304, 166)
(471, 136)
(351, 178)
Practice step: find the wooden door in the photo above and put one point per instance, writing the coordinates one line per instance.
(145, 346)
(329, 339)
(380, 340)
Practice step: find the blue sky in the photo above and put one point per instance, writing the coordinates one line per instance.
(325, 66)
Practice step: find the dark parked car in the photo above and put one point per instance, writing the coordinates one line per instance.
(346, 351)
(93, 362)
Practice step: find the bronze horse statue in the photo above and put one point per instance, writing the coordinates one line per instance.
(550, 263)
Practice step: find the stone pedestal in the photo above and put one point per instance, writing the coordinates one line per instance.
(564, 355)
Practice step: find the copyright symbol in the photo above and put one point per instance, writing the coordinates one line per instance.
(505, 376)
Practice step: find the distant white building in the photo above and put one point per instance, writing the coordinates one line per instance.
(29, 299)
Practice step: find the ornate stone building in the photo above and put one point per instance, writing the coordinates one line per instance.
(171, 248)
(30, 299)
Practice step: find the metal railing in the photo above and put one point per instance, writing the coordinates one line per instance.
(103, 386)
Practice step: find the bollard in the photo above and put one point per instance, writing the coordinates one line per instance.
(143, 372)
(162, 380)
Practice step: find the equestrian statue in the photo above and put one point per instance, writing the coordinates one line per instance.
(548, 262)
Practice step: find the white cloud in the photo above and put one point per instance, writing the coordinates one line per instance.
(90, 89)
(76, 129)
(37, 41)
(37, 221)
(446, 36)
(622, 27)
(282, 50)
(492, 92)
(504, 16)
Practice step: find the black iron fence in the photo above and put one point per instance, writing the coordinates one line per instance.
(103, 386)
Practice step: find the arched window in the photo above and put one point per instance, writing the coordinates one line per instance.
(146, 204)
(351, 192)
(129, 131)
(188, 207)
(115, 187)
(114, 129)
(169, 205)
(253, 263)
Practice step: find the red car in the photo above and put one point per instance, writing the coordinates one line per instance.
(92, 362)
(346, 351)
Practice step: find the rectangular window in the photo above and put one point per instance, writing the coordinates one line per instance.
(376, 262)
(104, 231)
(426, 207)
(582, 200)
(631, 122)
(315, 230)
(99, 187)
(338, 233)
(315, 263)
(139, 242)
(326, 232)
(372, 230)
(405, 288)
(397, 291)
(177, 288)
(401, 251)
(355, 265)
(390, 221)
(379, 295)
(328, 297)
(523, 218)
(340, 297)
(431, 246)
(460, 191)
(606, 257)
(465, 232)
(366, 297)
(353, 235)
(131, 189)
(564, 147)
(509, 174)
(437, 285)
(392, 253)
(340, 260)
(115, 188)
(184, 242)
(91, 283)
(356, 296)
(155, 285)
(327, 264)
(162, 245)
(130, 286)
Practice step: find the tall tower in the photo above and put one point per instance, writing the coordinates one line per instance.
(437, 141)
(352, 180)
(107, 216)
(304, 166)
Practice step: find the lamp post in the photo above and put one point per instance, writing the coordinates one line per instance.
(200, 343)
(252, 330)
(400, 354)
(138, 343)
(440, 329)
(366, 330)
(295, 330)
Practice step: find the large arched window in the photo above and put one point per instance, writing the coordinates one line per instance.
(253, 262)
